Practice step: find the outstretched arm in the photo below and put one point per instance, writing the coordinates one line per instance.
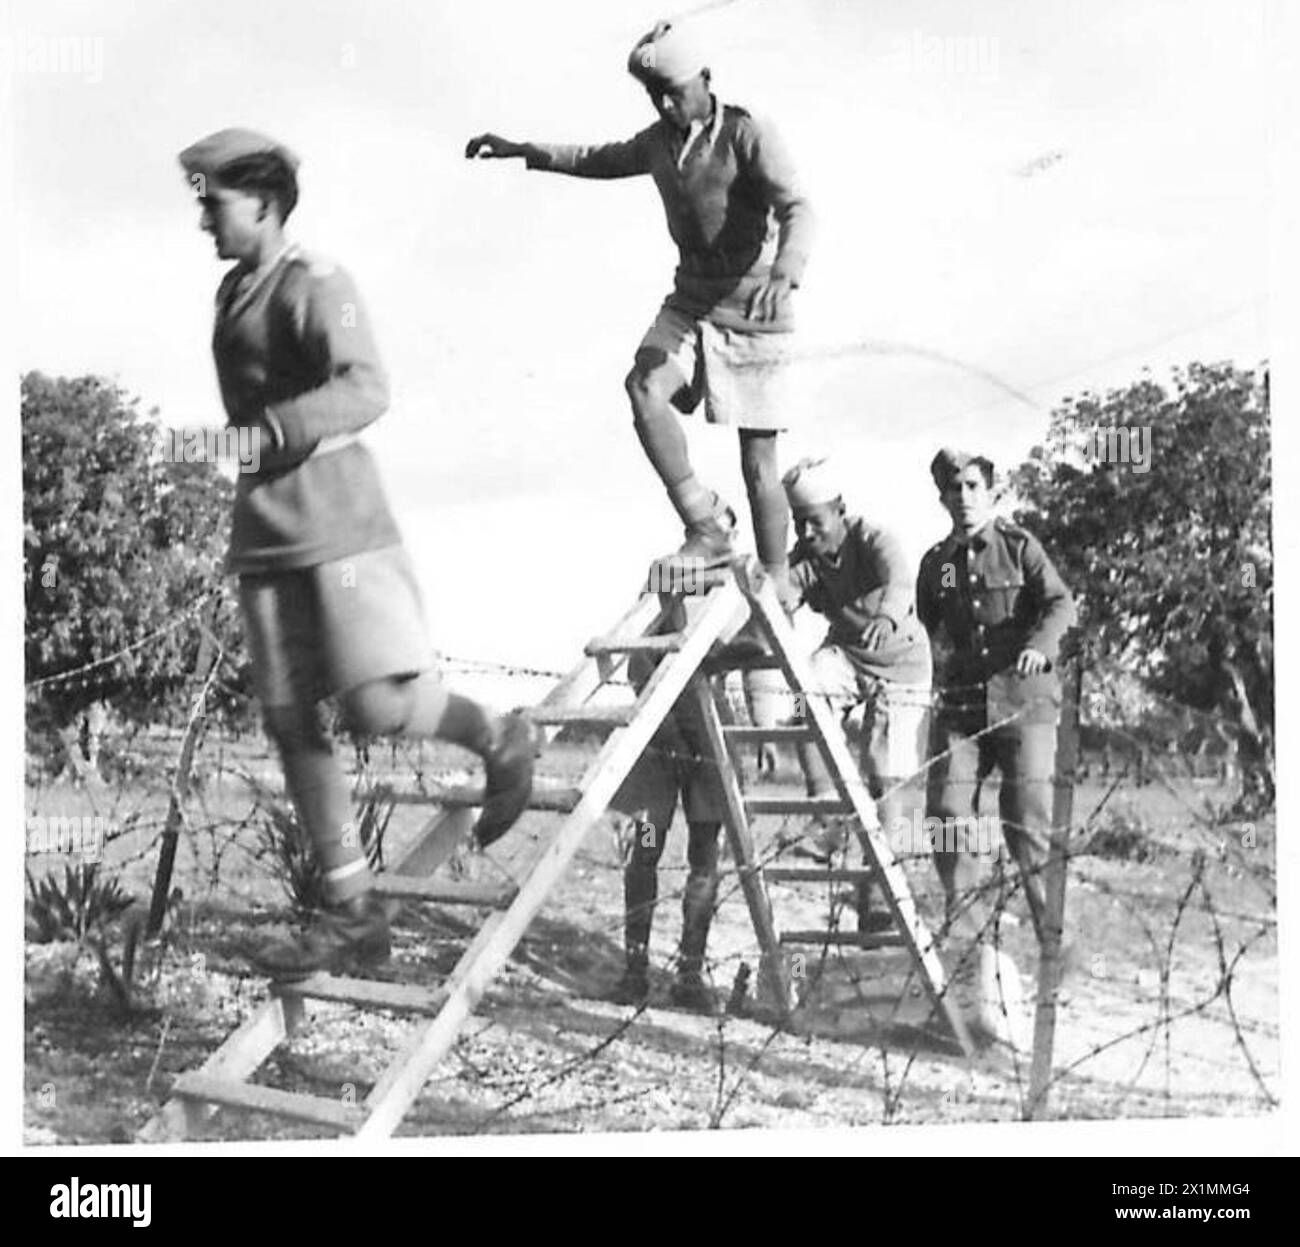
(603, 160)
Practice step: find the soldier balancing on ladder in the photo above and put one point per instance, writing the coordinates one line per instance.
(875, 653)
(327, 592)
(742, 229)
(996, 610)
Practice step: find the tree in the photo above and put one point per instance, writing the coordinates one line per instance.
(1157, 507)
(122, 557)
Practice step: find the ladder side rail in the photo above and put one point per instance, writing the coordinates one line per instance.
(844, 771)
(403, 1081)
(741, 839)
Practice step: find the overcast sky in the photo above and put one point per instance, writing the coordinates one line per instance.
(1016, 200)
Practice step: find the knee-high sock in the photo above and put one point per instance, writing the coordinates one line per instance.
(466, 723)
(664, 442)
(700, 894)
(320, 794)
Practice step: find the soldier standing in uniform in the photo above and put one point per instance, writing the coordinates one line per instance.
(326, 590)
(875, 653)
(996, 610)
(676, 765)
(743, 231)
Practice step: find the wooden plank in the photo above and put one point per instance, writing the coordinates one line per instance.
(758, 589)
(555, 798)
(596, 716)
(815, 874)
(445, 891)
(366, 993)
(436, 844)
(246, 1095)
(663, 643)
(252, 1042)
(402, 1082)
(1054, 875)
(855, 939)
(645, 615)
(736, 822)
(799, 805)
(238, 1056)
(737, 735)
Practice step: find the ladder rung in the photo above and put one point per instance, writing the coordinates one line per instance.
(797, 805)
(446, 891)
(554, 798)
(742, 735)
(366, 993)
(247, 1095)
(607, 716)
(665, 643)
(854, 939)
(815, 874)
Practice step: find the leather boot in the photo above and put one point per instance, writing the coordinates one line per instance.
(508, 782)
(640, 889)
(342, 938)
(689, 989)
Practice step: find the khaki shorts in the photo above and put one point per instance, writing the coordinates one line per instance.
(740, 376)
(316, 632)
(895, 716)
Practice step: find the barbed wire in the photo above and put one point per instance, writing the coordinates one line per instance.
(738, 1057)
(63, 677)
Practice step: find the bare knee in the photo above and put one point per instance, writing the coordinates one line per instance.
(652, 383)
(378, 707)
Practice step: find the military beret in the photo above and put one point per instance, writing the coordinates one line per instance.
(810, 483)
(947, 463)
(208, 156)
(665, 54)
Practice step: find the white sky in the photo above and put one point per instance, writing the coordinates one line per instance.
(509, 304)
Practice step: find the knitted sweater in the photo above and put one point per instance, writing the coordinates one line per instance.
(869, 578)
(731, 200)
(297, 364)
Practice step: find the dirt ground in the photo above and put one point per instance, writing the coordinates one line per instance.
(1169, 1007)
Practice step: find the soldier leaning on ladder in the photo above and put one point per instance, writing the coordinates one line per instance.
(327, 592)
(875, 655)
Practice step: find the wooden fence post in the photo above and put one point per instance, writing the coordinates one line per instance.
(205, 665)
(1049, 963)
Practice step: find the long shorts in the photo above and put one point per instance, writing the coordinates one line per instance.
(315, 632)
(741, 377)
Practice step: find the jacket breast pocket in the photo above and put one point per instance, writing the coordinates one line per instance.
(999, 594)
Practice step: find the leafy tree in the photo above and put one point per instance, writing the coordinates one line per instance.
(1172, 558)
(120, 547)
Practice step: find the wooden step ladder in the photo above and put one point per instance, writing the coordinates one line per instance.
(689, 662)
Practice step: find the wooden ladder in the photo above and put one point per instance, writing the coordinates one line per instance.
(657, 625)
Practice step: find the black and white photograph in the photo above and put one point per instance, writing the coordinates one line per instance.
(598, 577)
